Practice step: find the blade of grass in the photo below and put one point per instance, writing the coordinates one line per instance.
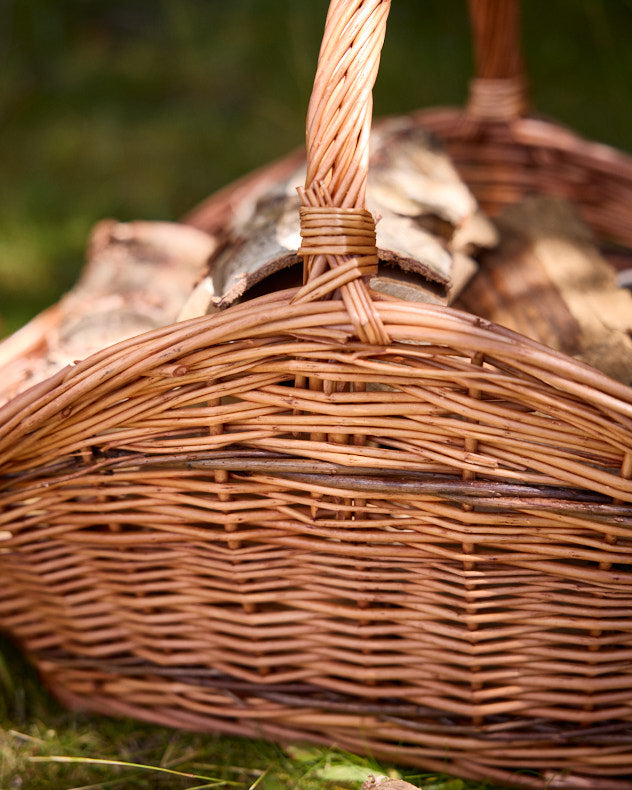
(107, 784)
(22, 736)
(205, 786)
(59, 758)
(236, 769)
(260, 778)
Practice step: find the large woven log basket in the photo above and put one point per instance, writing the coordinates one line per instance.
(328, 514)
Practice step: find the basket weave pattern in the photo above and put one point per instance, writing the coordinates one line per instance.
(325, 514)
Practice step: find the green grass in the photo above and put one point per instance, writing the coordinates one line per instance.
(140, 110)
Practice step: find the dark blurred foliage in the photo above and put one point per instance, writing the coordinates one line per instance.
(141, 108)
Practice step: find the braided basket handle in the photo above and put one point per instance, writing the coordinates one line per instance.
(498, 92)
(338, 232)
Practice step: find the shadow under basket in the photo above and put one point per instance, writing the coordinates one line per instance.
(404, 531)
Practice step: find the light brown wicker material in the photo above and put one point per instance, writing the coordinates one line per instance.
(360, 521)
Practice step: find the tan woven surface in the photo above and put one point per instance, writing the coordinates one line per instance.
(388, 526)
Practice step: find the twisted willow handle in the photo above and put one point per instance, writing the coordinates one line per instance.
(338, 233)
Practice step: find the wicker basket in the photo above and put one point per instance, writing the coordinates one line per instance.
(327, 515)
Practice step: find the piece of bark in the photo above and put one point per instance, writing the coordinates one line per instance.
(411, 175)
(137, 277)
(428, 227)
(548, 281)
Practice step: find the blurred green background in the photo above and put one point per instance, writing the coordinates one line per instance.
(140, 108)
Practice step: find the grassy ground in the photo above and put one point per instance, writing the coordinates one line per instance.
(139, 110)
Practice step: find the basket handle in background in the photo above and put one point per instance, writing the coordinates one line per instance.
(338, 232)
(498, 92)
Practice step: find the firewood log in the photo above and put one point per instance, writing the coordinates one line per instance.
(428, 227)
(546, 279)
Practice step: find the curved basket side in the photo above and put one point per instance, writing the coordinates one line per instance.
(112, 388)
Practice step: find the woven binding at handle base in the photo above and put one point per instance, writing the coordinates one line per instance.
(387, 526)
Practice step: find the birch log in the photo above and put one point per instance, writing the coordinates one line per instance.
(428, 227)
(547, 280)
(137, 277)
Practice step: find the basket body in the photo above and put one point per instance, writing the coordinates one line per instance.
(451, 588)
(260, 524)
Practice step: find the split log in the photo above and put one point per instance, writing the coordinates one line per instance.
(429, 226)
(546, 279)
(137, 277)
